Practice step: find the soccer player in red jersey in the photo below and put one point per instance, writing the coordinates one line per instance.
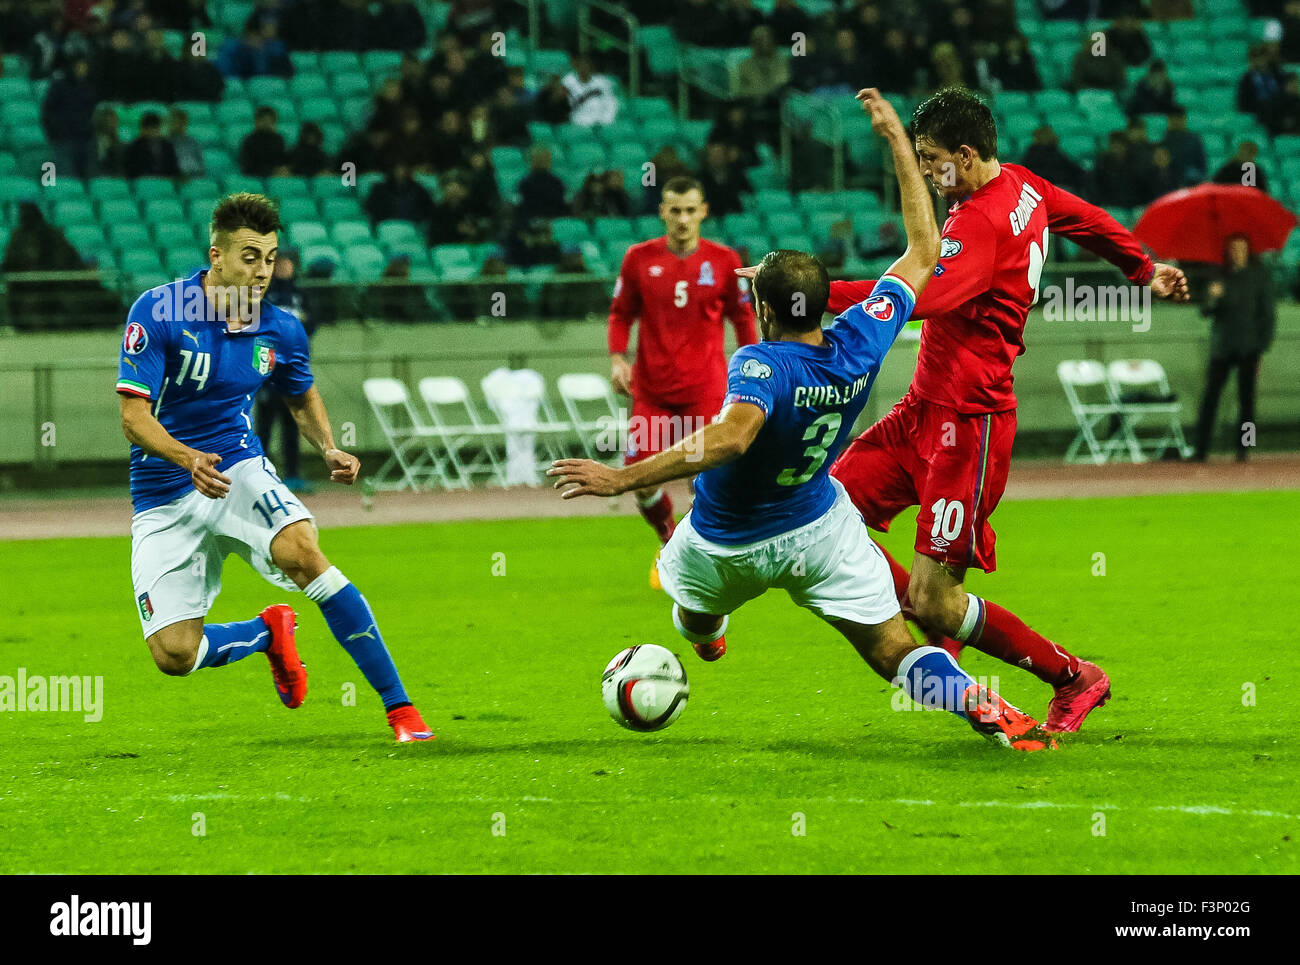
(680, 286)
(946, 445)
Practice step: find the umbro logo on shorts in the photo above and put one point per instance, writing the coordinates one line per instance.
(939, 543)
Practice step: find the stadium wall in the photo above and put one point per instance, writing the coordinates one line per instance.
(58, 405)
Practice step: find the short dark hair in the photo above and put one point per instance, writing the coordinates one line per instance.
(683, 183)
(150, 119)
(955, 116)
(244, 210)
(797, 287)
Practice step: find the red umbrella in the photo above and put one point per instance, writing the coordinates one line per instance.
(1192, 224)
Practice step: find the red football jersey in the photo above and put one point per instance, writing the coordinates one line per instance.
(990, 261)
(680, 301)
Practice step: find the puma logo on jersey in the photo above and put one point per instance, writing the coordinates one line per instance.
(188, 334)
(1029, 199)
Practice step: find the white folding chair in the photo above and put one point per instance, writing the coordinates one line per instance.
(1140, 389)
(594, 413)
(1089, 395)
(518, 402)
(408, 438)
(453, 413)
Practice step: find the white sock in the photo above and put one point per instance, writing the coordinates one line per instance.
(200, 655)
(650, 500)
(325, 586)
(693, 637)
(974, 618)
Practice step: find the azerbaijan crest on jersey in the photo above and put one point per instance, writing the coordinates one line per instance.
(706, 273)
(263, 355)
(136, 339)
(879, 307)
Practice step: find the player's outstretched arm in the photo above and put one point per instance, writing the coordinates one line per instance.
(143, 429)
(916, 266)
(309, 412)
(717, 443)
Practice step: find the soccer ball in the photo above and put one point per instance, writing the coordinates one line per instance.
(645, 687)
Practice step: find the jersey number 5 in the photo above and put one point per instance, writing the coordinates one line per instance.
(680, 294)
(828, 426)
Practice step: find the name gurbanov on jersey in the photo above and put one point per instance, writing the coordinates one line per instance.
(811, 395)
(202, 379)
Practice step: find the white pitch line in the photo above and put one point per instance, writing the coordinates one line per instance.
(1179, 808)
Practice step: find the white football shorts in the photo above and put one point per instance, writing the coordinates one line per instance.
(178, 550)
(830, 566)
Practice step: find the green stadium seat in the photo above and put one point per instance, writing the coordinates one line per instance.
(588, 156)
(16, 88)
(204, 187)
(381, 62)
(263, 88)
(772, 200)
(645, 108)
(182, 261)
(614, 231)
(299, 209)
(822, 223)
(307, 233)
(173, 234)
(234, 112)
(394, 232)
(340, 62)
(570, 231)
(417, 251)
(207, 133)
(305, 62)
(309, 85)
(218, 162)
(317, 109)
(621, 130)
(342, 208)
(649, 226)
(695, 132)
(448, 256)
(148, 189)
(784, 222)
(348, 233)
(128, 236)
(318, 252)
(543, 63)
(75, 211)
(87, 236)
(658, 131)
(20, 113)
(118, 210)
(365, 262)
(287, 187)
(140, 262)
(1013, 102)
(329, 186)
(742, 224)
(1052, 102)
(627, 153)
(1191, 52)
(351, 83)
(660, 46)
(366, 183)
(198, 211)
(1080, 146)
(163, 210)
(358, 107)
(103, 189)
(539, 132)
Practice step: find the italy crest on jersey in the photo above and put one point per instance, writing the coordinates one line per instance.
(706, 273)
(263, 356)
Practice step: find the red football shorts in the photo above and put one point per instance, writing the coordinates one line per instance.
(953, 466)
(655, 426)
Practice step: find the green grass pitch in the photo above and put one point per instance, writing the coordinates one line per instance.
(1181, 772)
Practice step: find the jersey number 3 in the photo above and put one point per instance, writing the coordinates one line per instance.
(828, 427)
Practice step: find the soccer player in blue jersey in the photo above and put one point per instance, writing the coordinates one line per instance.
(194, 355)
(767, 513)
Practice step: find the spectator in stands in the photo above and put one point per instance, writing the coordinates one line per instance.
(1166, 10)
(388, 104)
(724, 181)
(552, 103)
(197, 79)
(67, 117)
(413, 144)
(1283, 114)
(456, 220)
(597, 198)
(487, 69)
(737, 130)
(1112, 176)
(270, 410)
(541, 193)
(180, 14)
(1161, 176)
(946, 68)
(109, 152)
(37, 245)
(469, 18)
(509, 119)
(262, 153)
(121, 70)
(1139, 145)
(396, 298)
(308, 157)
(842, 72)
(1013, 65)
(763, 74)
(1186, 149)
(158, 64)
(1290, 43)
(150, 154)
(370, 150)
(189, 153)
(787, 19)
(1154, 93)
(478, 128)
(437, 95)
(697, 22)
(398, 26)
(1243, 168)
(399, 197)
(896, 63)
(447, 150)
(1046, 159)
(1241, 303)
(666, 165)
(480, 178)
(531, 243)
(1260, 85)
(1128, 36)
(592, 101)
(573, 298)
(46, 40)
(1101, 71)
(258, 52)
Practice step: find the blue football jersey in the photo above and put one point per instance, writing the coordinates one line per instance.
(811, 396)
(202, 379)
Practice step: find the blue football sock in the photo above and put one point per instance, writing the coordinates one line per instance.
(225, 643)
(932, 678)
(353, 625)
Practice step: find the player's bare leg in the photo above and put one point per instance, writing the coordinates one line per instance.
(933, 679)
(902, 579)
(189, 645)
(939, 596)
(656, 507)
(705, 631)
(296, 551)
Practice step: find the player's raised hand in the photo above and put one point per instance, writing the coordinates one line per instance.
(748, 272)
(207, 480)
(590, 478)
(1169, 282)
(884, 119)
(343, 466)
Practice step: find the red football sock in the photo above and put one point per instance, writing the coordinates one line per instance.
(659, 514)
(901, 580)
(1005, 636)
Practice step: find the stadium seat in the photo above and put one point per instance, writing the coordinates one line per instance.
(118, 210)
(340, 61)
(86, 236)
(182, 261)
(628, 153)
(140, 261)
(299, 209)
(350, 84)
(587, 156)
(393, 232)
(649, 226)
(163, 210)
(366, 261)
(644, 108)
(218, 163)
(317, 109)
(613, 230)
(175, 234)
(659, 131)
(308, 233)
(570, 231)
(104, 189)
(343, 208)
(328, 186)
(75, 211)
(347, 233)
(784, 223)
(125, 235)
(305, 62)
(381, 62)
